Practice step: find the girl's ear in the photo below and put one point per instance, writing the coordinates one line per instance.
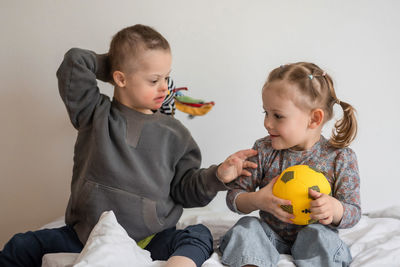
(119, 78)
(316, 118)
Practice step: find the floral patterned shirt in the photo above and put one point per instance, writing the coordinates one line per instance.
(338, 164)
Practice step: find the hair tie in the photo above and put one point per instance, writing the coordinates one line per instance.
(337, 101)
(324, 73)
(310, 76)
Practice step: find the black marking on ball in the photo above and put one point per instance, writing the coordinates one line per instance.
(306, 211)
(287, 176)
(287, 208)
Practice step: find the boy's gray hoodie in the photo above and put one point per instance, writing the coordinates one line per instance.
(143, 167)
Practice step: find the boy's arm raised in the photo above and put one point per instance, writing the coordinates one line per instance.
(78, 85)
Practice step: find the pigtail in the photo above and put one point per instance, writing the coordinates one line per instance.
(345, 129)
(318, 86)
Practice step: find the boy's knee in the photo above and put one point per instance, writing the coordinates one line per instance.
(194, 242)
(199, 228)
(200, 232)
(196, 235)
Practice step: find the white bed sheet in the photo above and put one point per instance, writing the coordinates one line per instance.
(374, 241)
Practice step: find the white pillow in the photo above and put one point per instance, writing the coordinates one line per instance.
(109, 245)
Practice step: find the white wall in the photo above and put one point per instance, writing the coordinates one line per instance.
(222, 51)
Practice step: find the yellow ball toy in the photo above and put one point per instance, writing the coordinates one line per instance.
(293, 185)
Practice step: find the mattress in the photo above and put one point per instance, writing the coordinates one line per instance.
(374, 241)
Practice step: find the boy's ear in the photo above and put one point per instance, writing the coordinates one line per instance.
(316, 118)
(119, 78)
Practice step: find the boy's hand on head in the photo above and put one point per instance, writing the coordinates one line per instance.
(235, 165)
(325, 209)
(103, 72)
(267, 201)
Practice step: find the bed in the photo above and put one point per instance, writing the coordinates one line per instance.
(374, 241)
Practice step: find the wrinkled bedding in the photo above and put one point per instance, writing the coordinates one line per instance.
(374, 241)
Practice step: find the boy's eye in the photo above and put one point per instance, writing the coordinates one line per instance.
(154, 81)
(278, 116)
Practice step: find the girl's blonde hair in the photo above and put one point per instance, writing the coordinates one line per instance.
(317, 89)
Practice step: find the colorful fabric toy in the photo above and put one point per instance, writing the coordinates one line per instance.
(177, 100)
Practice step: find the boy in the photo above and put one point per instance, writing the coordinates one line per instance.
(129, 158)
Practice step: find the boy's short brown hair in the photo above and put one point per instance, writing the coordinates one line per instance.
(126, 44)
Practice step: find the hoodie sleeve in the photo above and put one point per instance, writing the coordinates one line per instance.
(77, 84)
(193, 186)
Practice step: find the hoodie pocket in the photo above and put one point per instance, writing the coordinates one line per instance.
(150, 216)
(137, 214)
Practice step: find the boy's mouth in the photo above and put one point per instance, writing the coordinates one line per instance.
(160, 98)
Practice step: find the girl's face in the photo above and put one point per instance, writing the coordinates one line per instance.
(147, 86)
(287, 124)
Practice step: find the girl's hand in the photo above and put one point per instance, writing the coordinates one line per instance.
(234, 165)
(266, 201)
(325, 209)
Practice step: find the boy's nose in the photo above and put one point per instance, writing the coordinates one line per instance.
(164, 86)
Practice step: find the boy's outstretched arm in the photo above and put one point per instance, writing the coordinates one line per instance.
(78, 85)
(194, 187)
(234, 166)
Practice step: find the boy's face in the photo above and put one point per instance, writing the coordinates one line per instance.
(145, 88)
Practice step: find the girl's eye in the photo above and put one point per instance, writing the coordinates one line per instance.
(278, 116)
(266, 113)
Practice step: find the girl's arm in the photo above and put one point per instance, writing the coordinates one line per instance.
(347, 188)
(242, 196)
(263, 199)
(343, 209)
(325, 209)
(245, 186)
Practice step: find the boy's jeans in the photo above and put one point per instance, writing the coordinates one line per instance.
(251, 241)
(27, 249)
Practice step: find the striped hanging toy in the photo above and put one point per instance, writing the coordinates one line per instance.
(177, 100)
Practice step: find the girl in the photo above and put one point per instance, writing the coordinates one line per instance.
(298, 100)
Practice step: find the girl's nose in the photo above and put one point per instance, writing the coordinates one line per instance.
(267, 124)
